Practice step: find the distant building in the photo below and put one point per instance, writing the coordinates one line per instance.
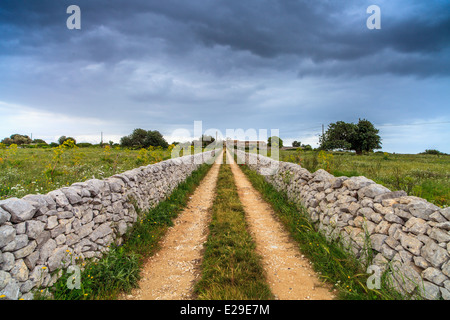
(258, 144)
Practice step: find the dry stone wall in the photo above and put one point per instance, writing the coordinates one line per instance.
(42, 233)
(409, 237)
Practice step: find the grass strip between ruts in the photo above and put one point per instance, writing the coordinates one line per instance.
(231, 269)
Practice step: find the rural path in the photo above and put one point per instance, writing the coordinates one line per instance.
(289, 274)
(171, 273)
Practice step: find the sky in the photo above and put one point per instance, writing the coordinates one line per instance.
(280, 65)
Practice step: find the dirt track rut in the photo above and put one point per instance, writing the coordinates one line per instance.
(171, 273)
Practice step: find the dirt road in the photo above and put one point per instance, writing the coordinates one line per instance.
(172, 272)
(289, 274)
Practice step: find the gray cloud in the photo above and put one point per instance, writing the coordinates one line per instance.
(283, 64)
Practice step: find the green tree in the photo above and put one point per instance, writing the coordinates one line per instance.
(141, 138)
(276, 141)
(296, 144)
(63, 139)
(359, 137)
(18, 139)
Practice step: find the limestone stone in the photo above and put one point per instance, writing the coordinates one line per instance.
(372, 190)
(7, 234)
(356, 183)
(422, 209)
(34, 228)
(25, 251)
(434, 254)
(19, 271)
(411, 244)
(434, 275)
(4, 216)
(20, 210)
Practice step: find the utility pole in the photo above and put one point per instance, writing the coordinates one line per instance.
(101, 141)
(323, 132)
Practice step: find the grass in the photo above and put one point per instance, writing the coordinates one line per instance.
(422, 175)
(330, 260)
(119, 270)
(231, 269)
(40, 170)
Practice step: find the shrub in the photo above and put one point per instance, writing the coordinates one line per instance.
(433, 151)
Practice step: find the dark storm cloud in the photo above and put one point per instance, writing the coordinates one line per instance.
(331, 31)
(287, 64)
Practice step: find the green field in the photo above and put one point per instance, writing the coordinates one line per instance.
(40, 170)
(422, 175)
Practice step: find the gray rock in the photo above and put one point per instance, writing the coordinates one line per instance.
(58, 258)
(444, 225)
(34, 228)
(446, 268)
(71, 195)
(86, 229)
(38, 275)
(377, 241)
(19, 209)
(103, 230)
(356, 183)
(52, 222)
(372, 190)
(434, 254)
(87, 216)
(22, 253)
(19, 271)
(411, 244)
(434, 275)
(445, 293)
(393, 218)
(8, 261)
(421, 262)
(445, 212)
(11, 290)
(416, 225)
(5, 278)
(389, 195)
(439, 235)
(47, 250)
(436, 216)
(430, 291)
(407, 276)
(31, 259)
(422, 209)
(7, 234)
(59, 197)
(4, 216)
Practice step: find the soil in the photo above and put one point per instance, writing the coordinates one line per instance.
(288, 272)
(171, 273)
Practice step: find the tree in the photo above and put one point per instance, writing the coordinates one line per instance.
(359, 137)
(296, 144)
(141, 138)
(63, 139)
(276, 141)
(18, 139)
